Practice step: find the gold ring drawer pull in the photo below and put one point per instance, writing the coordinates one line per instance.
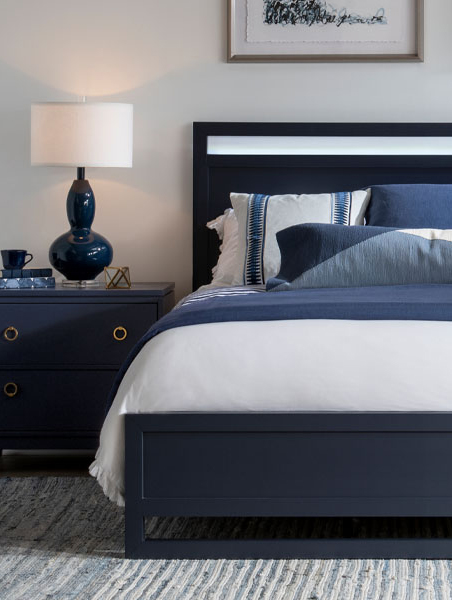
(10, 334)
(120, 334)
(10, 389)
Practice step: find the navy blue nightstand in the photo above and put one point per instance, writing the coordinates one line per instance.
(60, 349)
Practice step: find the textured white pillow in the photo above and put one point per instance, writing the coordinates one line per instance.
(260, 218)
(226, 227)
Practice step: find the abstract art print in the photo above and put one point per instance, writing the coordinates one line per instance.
(321, 30)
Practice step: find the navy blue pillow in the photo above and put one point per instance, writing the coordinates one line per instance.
(417, 205)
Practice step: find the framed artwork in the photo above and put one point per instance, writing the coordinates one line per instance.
(320, 30)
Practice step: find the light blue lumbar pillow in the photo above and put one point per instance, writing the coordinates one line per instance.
(317, 256)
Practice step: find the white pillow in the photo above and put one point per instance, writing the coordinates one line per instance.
(226, 227)
(260, 217)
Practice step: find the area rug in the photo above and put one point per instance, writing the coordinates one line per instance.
(60, 538)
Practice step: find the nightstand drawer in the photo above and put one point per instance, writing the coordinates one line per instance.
(72, 334)
(53, 400)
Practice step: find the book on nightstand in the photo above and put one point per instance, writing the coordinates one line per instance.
(18, 279)
(21, 273)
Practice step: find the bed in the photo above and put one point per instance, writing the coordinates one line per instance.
(375, 462)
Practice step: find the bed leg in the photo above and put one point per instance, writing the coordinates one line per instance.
(135, 534)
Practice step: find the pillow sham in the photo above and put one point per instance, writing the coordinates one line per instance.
(421, 205)
(318, 255)
(226, 227)
(260, 217)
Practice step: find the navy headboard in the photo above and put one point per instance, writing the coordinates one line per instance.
(240, 157)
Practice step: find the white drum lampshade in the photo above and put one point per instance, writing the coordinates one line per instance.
(78, 134)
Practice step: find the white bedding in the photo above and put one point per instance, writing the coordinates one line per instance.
(303, 365)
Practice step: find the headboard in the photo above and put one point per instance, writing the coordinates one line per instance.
(274, 158)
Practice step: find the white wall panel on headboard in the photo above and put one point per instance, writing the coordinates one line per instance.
(333, 146)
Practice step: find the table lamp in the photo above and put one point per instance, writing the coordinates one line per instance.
(79, 134)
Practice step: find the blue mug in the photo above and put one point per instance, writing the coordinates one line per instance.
(15, 259)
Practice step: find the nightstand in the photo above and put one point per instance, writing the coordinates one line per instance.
(60, 349)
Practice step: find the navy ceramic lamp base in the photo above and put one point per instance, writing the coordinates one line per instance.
(80, 254)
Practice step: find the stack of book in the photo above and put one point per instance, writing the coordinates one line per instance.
(17, 279)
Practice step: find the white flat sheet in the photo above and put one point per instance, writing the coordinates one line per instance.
(303, 365)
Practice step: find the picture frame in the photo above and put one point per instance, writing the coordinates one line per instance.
(319, 31)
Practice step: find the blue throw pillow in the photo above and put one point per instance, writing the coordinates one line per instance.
(317, 256)
(420, 205)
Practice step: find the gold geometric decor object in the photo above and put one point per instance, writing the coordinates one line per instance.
(117, 278)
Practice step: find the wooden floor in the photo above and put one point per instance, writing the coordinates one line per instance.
(45, 463)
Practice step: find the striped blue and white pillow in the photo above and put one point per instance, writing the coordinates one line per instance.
(260, 217)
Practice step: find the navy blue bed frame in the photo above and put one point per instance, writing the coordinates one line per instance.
(296, 464)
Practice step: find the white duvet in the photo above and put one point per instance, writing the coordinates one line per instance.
(302, 365)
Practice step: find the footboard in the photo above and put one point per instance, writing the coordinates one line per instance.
(288, 465)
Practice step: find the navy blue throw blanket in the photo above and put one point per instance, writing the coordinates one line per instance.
(431, 302)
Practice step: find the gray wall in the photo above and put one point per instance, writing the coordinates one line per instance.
(167, 57)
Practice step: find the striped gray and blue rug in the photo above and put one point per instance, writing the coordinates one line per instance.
(60, 538)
